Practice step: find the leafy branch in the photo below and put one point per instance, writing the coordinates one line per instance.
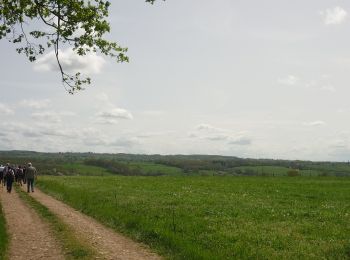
(80, 24)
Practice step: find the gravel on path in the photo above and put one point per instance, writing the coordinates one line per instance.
(30, 237)
(108, 243)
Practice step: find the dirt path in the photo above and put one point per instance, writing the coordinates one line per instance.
(30, 237)
(108, 243)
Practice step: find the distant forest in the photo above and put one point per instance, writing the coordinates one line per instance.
(154, 165)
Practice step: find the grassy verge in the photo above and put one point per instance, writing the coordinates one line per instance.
(3, 235)
(72, 247)
(219, 217)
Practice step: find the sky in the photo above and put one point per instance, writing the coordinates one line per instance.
(257, 79)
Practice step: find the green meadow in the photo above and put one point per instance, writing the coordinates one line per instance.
(3, 235)
(219, 217)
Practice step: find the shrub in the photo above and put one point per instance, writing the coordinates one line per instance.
(293, 173)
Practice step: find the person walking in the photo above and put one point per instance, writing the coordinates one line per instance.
(1, 174)
(6, 169)
(20, 175)
(24, 174)
(30, 176)
(10, 178)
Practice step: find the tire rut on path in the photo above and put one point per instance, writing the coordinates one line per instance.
(108, 243)
(30, 236)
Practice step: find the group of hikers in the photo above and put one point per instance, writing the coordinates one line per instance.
(21, 175)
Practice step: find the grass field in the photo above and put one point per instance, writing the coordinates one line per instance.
(3, 235)
(219, 217)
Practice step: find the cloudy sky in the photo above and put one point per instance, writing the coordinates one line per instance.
(260, 79)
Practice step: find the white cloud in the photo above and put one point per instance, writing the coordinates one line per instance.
(193, 135)
(207, 127)
(153, 113)
(204, 127)
(315, 123)
(154, 134)
(106, 121)
(18, 128)
(36, 104)
(51, 116)
(323, 83)
(109, 113)
(329, 88)
(59, 132)
(103, 97)
(311, 84)
(71, 62)
(100, 140)
(31, 133)
(6, 143)
(47, 116)
(11, 127)
(336, 15)
(339, 147)
(115, 113)
(5, 110)
(125, 142)
(67, 113)
(339, 144)
(209, 132)
(93, 137)
(290, 80)
(94, 142)
(39, 130)
(215, 134)
(218, 137)
(242, 140)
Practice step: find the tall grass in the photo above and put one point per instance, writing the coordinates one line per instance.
(3, 235)
(219, 217)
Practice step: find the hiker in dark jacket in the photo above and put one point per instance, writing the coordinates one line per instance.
(19, 175)
(10, 178)
(24, 175)
(6, 169)
(30, 176)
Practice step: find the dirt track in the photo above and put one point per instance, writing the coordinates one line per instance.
(30, 237)
(106, 242)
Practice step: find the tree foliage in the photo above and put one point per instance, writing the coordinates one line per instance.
(36, 26)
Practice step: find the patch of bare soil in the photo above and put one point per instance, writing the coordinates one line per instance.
(30, 236)
(108, 243)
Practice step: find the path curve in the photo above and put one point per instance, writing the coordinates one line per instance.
(108, 243)
(30, 237)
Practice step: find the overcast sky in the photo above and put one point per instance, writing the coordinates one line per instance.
(260, 79)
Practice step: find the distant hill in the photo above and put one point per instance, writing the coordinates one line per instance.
(143, 164)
